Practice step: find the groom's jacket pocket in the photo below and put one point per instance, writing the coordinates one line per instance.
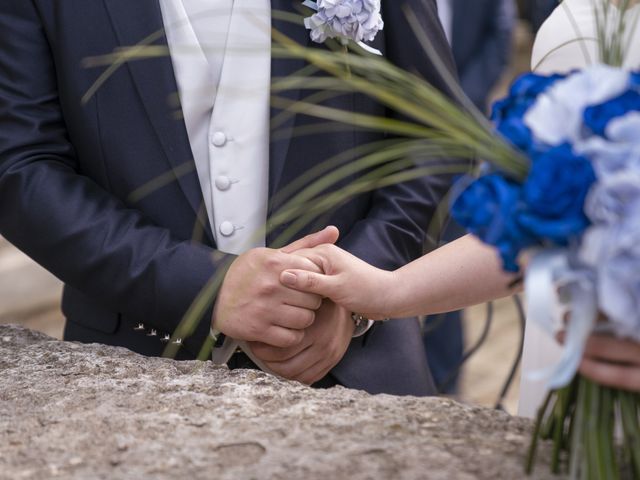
(81, 309)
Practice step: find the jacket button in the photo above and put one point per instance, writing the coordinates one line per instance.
(227, 229)
(223, 183)
(219, 139)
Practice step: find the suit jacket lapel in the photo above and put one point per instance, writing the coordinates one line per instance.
(133, 21)
(461, 10)
(280, 67)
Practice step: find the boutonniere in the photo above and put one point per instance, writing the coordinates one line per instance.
(357, 20)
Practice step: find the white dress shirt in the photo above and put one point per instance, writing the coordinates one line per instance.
(445, 13)
(221, 54)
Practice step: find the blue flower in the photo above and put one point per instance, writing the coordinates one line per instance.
(487, 208)
(532, 85)
(554, 193)
(619, 151)
(597, 117)
(357, 20)
(516, 132)
(581, 135)
(558, 114)
(547, 209)
(508, 114)
(615, 197)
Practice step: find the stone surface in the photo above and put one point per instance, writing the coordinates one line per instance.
(91, 411)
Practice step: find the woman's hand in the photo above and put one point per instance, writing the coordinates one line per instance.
(347, 281)
(612, 362)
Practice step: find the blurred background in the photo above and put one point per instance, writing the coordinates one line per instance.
(31, 296)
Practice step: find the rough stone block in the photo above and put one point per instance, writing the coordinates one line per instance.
(91, 411)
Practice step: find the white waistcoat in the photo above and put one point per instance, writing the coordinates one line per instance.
(221, 54)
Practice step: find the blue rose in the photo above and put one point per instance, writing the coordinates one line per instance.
(555, 193)
(487, 208)
(508, 114)
(597, 117)
(516, 132)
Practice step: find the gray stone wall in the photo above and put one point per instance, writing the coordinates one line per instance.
(91, 411)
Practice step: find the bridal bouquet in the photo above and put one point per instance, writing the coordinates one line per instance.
(580, 205)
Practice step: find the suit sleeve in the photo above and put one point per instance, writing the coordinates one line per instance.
(64, 220)
(482, 72)
(394, 232)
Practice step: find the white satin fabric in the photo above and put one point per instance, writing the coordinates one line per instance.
(565, 42)
(221, 54)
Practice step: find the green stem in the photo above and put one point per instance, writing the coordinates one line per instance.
(345, 51)
(629, 409)
(533, 448)
(599, 433)
(206, 349)
(578, 465)
(593, 451)
(606, 433)
(567, 417)
(560, 412)
(548, 426)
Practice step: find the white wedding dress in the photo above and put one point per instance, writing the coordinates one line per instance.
(565, 42)
(568, 40)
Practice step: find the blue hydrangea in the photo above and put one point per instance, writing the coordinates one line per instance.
(357, 20)
(613, 253)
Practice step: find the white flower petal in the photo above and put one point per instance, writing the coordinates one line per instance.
(557, 116)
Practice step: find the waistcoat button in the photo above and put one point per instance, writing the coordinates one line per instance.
(219, 139)
(223, 183)
(227, 228)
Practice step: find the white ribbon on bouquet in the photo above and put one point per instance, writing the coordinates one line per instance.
(552, 290)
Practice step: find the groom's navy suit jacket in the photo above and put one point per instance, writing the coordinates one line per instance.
(71, 175)
(481, 42)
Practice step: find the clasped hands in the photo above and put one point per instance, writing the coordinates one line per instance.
(293, 306)
(298, 335)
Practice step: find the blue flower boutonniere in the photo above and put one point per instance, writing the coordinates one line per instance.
(357, 20)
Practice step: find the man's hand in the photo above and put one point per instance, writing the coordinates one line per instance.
(254, 306)
(323, 346)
